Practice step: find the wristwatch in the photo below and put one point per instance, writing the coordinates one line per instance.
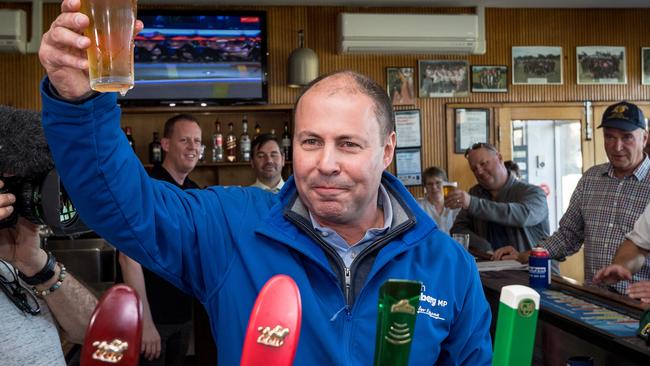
(43, 275)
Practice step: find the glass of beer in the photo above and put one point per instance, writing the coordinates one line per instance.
(448, 187)
(111, 32)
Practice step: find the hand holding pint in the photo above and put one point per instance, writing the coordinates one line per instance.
(111, 32)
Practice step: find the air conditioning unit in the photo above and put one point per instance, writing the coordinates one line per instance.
(412, 33)
(13, 30)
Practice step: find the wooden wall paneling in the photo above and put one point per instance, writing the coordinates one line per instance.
(505, 28)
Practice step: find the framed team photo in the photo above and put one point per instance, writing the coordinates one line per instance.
(601, 65)
(400, 85)
(537, 65)
(443, 79)
(489, 79)
(645, 65)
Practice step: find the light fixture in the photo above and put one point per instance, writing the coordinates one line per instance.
(303, 64)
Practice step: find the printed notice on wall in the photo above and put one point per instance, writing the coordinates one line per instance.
(409, 166)
(471, 127)
(407, 128)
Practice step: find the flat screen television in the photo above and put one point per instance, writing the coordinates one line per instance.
(194, 57)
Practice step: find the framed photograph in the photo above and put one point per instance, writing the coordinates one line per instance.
(408, 164)
(407, 128)
(490, 79)
(645, 65)
(472, 126)
(400, 85)
(601, 65)
(537, 65)
(442, 79)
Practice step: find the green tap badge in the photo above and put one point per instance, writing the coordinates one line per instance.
(398, 306)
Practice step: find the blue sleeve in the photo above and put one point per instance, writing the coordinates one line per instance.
(469, 341)
(155, 223)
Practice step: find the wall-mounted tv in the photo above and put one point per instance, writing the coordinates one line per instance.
(194, 57)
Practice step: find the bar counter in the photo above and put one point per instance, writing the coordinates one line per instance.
(577, 320)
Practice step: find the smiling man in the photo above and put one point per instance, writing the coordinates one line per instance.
(340, 227)
(608, 199)
(500, 210)
(167, 320)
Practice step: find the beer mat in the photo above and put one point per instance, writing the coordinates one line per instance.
(588, 312)
(505, 265)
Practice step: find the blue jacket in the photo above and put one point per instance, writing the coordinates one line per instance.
(222, 244)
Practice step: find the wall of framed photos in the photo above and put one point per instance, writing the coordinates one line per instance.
(506, 28)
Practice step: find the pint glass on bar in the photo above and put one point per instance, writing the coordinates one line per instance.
(110, 55)
(448, 187)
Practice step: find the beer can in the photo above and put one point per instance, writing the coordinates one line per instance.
(539, 268)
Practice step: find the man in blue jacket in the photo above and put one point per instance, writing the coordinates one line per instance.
(340, 227)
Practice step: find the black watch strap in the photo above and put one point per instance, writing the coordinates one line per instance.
(44, 274)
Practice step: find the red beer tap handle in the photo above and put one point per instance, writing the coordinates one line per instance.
(115, 330)
(274, 324)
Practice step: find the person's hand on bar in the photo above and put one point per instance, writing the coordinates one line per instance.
(612, 274)
(640, 290)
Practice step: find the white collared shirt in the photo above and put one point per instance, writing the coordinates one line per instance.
(263, 186)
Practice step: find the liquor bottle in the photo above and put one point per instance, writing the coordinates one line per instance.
(202, 153)
(258, 130)
(273, 133)
(155, 150)
(245, 141)
(286, 143)
(217, 143)
(129, 137)
(231, 145)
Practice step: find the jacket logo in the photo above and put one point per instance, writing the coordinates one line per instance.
(109, 352)
(618, 112)
(402, 306)
(272, 337)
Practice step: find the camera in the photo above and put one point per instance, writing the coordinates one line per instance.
(43, 201)
(27, 170)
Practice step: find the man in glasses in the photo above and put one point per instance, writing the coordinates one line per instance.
(500, 210)
(608, 199)
(36, 296)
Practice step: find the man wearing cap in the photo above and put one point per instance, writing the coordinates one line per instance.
(607, 200)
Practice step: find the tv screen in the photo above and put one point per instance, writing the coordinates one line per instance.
(191, 57)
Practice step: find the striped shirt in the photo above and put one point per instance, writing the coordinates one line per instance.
(603, 208)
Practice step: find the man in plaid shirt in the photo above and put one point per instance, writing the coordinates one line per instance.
(608, 199)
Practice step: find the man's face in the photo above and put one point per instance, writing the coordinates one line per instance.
(339, 154)
(624, 148)
(433, 187)
(182, 147)
(488, 168)
(268, 161)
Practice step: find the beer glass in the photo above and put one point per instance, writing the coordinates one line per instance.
(462, 239)
(111, 32)
(448, 187)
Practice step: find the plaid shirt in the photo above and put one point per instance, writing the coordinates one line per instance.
(602, 210)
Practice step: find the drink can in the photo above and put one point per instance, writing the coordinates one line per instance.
(539, 268)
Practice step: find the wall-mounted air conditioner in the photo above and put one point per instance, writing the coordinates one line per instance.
(13, 30)
(412, 33)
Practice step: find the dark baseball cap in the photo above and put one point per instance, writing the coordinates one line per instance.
(623, 116)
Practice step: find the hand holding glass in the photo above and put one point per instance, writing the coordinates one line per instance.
(111, 32)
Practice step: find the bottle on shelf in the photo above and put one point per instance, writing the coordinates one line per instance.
(155, 150)
(245, 141)
(258, 130)
(286, 142)
(217, 143)
(129, 137)
(231, 144)
(273, 133)
(202, 153)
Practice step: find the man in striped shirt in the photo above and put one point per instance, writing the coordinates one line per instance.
(607, 200)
